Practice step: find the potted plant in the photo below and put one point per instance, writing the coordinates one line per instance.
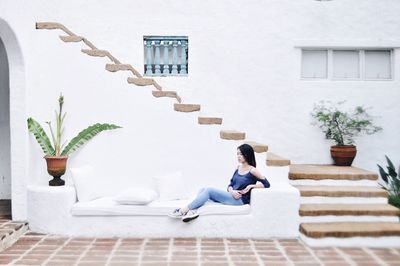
(392, 182)
(56, 153)
(342, 127)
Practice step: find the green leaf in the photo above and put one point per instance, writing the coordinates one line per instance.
(36, 129)
(383, 174)
(85, 135)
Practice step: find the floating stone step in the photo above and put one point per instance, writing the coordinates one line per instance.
(118, 67)
(186, 108)
(348, 209)
(47, 25)
(140, 81)
(350, 229)
(171, 94)
(209, 120)
(71, 38)
(232, 135)
(319, 172)
(95, 52)
(257, 147)
(341, 191)
(276, 160)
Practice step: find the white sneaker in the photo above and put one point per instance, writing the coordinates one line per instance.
(190, 215)
(177, 214)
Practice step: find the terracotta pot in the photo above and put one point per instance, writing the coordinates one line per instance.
(343, 155)
(56, 166)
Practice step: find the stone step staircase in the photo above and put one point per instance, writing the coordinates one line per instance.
(10, 231)
(354, 214)
(138, 80)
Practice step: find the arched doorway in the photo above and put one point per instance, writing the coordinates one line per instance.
(13, 102)
(5, 156)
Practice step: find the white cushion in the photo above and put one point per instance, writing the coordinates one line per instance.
(171, 186)
(136, 196)
(106, 206)
(87, 184)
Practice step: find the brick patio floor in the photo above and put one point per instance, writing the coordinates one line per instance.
(36, 249)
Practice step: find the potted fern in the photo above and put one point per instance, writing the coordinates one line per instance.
(56, 153)
(342, 127)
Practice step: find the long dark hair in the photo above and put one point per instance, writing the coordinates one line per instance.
(248, 154)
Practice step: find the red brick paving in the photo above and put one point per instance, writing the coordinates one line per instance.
(36, 249)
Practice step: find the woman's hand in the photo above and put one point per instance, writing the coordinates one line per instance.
(235, 193)
(247, 189)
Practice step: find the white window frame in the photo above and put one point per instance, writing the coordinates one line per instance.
(361, 63)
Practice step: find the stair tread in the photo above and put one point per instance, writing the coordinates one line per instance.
(232, 135)
(186, 107)
(348, 209)
(258, 147)
(341, 191)
(319, 172)
(204, 120)
(350, 229)
(276, 160)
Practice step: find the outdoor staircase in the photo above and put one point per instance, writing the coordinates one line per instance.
(10, 231)
(354, 214)
(138, 80)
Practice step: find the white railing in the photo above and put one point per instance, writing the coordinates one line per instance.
(166, 55)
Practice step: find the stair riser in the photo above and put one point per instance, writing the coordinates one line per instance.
(342, 200)
(347, 218)
(385, 241)
(11, 239)
(332, 182)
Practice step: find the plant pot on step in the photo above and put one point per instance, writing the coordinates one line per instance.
(343, 155)
(56, 166)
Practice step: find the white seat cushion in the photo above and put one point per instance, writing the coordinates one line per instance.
(136, 196)
(106, 206)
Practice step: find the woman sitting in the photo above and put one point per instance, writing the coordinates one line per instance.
(244, 179)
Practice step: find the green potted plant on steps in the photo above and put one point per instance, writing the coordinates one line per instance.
(342, 127)
(56, 153)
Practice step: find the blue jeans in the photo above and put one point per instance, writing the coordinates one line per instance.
(213, 194)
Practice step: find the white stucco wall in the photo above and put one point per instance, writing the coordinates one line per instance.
(5, 163)
(244, 66)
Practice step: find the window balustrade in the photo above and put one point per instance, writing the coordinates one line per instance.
(166, 55)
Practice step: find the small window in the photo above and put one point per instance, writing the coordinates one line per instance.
(378, 65)
(314, 64)
(166, 55)
(346, 65)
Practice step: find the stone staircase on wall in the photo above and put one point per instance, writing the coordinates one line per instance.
(138, 80)
(344, 206)
(9, 231)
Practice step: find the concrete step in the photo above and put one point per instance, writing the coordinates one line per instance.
(319, 172)
(186, 108)
(71, 38)
(276, 160)
(330, 175)
(348, 209)
(209, 120)
(47, 25)
(141, 81)
(171, 94)
(232, 135)
(350, 229)
(257, 147)
(351, 234)
(118, 67)
(10, 232)
(341, 191)
(95, 52)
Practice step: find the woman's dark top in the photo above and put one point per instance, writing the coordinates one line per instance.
(239, 182)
